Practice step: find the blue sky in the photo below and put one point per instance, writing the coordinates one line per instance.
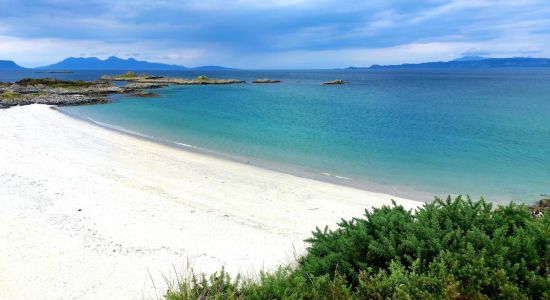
(273, 33)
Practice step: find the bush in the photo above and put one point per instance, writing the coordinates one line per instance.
(448, 249)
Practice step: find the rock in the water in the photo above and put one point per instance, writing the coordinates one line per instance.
(144, 94)
(134, 86)
(145, 78)
(333, 82)
(266, 80)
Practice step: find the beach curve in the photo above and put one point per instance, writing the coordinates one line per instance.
(92, 213)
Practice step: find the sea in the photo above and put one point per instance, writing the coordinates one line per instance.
(410, 133)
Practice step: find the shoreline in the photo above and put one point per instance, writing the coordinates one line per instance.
(299, 171)
(91, 213)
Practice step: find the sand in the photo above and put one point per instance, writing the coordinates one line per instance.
(89, 213)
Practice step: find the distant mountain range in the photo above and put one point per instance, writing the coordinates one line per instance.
(111, 63)
(131, 64)
(9, 65)
(475, 62)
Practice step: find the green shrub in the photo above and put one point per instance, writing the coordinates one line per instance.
(448, 249)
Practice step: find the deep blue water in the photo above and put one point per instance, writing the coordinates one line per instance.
(477, 132)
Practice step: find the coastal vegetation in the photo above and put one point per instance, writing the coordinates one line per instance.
(128, 74)
(447, 249)
(54, 83)
(9, 95)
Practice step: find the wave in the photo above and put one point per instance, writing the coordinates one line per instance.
(336, 176)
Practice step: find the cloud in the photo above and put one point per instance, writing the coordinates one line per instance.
(284, 32)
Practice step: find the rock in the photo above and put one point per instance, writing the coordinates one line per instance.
(55, 92)
(266, 80)
(53, 99)
(170, 80)
(77, 92)
(133, 86)
(144, 94)
(541, 208)
(333, 82)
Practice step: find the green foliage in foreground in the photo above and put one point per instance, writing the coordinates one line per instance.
(448, 249)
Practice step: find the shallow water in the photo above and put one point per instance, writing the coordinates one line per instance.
(477, 132)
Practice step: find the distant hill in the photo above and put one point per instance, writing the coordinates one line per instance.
(475, 63)
(470, 58)
(9, 65)
(111, 63)
(115, 63)
(211, 68)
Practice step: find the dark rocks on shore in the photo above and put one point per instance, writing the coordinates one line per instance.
(55, 92)
(541, 208)
(75, 92)
(51, 99)
(134, 86)
(334, 82)
(266, 80)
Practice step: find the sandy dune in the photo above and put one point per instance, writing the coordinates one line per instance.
(87, 213)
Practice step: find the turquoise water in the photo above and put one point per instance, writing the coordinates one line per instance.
(477, 132)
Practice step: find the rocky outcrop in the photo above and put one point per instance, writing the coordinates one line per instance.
(143, 94)
(55, 92)
(146, 78)
(135, 86)
(76, 92)
(334, 82)
(266, 80)
(51, 99)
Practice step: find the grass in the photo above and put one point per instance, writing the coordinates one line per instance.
(55, 83)
(128, 74)
(131, 75)
(9, 95)
(448, 249)
(203, 78)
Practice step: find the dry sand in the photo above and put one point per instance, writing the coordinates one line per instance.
(89, 213)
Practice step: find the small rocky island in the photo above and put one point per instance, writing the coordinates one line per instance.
(334, 82)
(149, 79)
(78, 92)
(266, 80)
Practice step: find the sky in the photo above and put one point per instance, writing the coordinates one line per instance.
(273, 34)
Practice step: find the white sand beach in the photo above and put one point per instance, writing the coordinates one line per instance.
(89, 213)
